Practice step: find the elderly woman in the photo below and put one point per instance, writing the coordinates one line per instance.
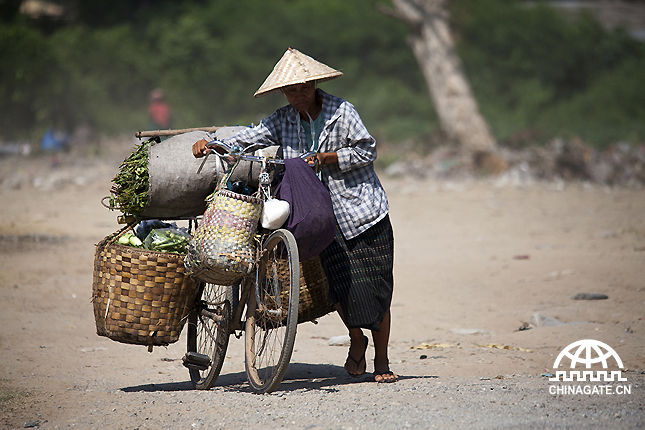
(359, 262)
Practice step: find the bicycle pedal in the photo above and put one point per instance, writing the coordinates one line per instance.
(194, 360)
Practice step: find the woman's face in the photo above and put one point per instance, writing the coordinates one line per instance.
(301, 96)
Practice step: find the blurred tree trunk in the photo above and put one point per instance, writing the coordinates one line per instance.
(433, 46)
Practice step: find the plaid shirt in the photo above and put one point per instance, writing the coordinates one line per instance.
(357, 195)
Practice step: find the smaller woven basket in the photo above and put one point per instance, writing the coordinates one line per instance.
(314, 290)
(140, 297)
(222, 249)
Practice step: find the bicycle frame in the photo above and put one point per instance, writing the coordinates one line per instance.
(233, 153)
(263, 305)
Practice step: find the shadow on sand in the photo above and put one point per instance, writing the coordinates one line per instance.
(300, 376)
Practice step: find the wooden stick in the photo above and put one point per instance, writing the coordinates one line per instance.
(169, 132)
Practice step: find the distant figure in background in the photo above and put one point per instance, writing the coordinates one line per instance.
(53, 142)
(159, 111)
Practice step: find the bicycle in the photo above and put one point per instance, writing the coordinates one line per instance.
(270, 296)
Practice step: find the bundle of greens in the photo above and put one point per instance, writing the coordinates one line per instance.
(130, 190)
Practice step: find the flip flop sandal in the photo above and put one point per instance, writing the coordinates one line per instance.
(384, 380)
(359, 361)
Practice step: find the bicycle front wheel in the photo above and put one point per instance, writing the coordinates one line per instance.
(208, 334)
(272, 312)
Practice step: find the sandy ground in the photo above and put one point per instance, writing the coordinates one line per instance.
(474, 262)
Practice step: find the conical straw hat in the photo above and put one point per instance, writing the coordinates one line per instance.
(295, 68)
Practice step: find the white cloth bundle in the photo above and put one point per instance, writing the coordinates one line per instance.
(274, 213)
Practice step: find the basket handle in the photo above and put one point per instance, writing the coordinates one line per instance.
(116, 235)
(108, 206)
(223, 181)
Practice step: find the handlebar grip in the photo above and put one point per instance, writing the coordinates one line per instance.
(220, 144)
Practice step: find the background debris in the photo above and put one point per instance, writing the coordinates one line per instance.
(590, 296)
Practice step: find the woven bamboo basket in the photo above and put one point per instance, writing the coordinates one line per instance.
(140, 297)
(222, 249)
(314, 289)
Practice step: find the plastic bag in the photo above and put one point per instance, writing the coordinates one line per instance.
(167, 240)
(146, 226)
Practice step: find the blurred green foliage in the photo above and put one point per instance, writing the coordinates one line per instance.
(530, 68)
(533, 68)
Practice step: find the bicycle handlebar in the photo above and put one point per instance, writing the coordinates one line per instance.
(237, 152)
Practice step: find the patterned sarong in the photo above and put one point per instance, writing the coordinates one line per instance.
(359, 272)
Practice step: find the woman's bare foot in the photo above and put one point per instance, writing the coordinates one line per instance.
(381, 338)
(355, 363)
(383, 374)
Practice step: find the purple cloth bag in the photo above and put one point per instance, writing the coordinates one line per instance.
(312, 220)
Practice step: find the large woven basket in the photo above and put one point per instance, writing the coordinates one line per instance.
(222, 249)
(140, 297)
(314, 290)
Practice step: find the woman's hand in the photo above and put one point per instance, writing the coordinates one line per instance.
(200, 149)
(323, 158)
(314, 161)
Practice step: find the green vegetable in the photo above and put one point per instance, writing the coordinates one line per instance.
(131, 184)
(162, 240)
(130, 239)
(167, 240)
(135, 241)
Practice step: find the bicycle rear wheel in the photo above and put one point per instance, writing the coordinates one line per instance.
(272, 312)
(208, 334)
